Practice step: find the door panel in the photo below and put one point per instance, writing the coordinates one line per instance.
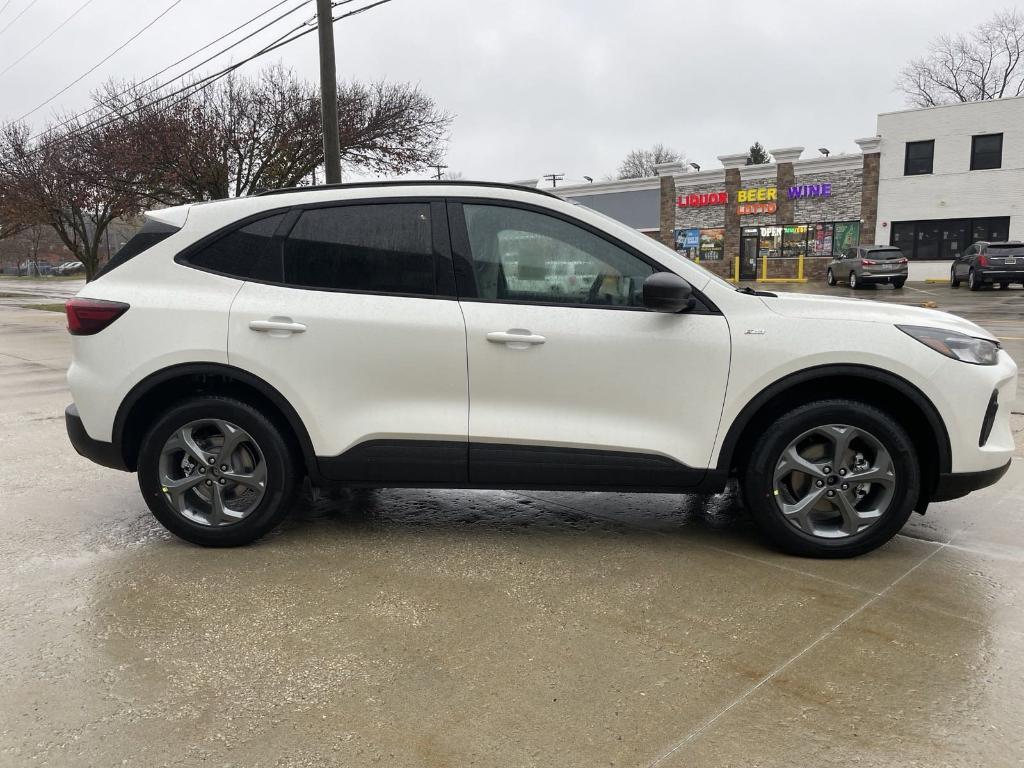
(366, 367)
(603, 379)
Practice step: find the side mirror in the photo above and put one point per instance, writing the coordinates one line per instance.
(667, 292)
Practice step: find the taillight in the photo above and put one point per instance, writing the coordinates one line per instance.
(901, 261)
(89, 316)
(982, 260)
(869, 262)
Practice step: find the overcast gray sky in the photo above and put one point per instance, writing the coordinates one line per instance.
(541, 86)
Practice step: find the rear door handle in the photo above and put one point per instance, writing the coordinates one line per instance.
(280, 325)
(515, 338)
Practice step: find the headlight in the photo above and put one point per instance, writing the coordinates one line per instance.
(959, 346)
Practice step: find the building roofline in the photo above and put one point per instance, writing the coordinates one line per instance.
(945, 106)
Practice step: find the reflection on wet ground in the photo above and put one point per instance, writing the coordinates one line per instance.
(428, 628)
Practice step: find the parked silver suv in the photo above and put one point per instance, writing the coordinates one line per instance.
(869, 265)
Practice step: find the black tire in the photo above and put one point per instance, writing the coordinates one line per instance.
(830, 278)
(1003, 286)
(897, 284)
(854, 282)
(277, 454)
(758, 478)
(973, 283)
(954, 281)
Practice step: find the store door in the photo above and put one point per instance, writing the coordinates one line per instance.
(748, 254)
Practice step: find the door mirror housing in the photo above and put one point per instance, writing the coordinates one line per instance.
(667, 292)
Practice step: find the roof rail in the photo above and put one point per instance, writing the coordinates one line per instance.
(407, 183)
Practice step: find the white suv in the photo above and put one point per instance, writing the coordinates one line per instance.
(367, 335)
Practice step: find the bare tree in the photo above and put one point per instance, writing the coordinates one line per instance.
(72, 179)
(243, 135)
(982, 64)
(639, 163)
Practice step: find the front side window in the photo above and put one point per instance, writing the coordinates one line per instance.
(521, 255)
(384, 248)
(243, 253)
(919, 158)
(987, 151)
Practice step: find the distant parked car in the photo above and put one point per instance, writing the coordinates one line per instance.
(43, 268)
(869, 265)
(984, 264)
(70, 268)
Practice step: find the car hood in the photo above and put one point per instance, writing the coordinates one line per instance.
(814, 307)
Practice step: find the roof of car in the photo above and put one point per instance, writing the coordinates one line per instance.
(406, 183)
(880, 247)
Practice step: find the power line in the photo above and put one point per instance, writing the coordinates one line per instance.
(23, 10)
(35, 47)
(103, 61)
(288, 37)
(194, 53)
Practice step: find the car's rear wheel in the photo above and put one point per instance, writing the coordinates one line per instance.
(216, 472)
(854, 282)
(830, 278)
(954, 281)
(898, 284)
(832, 478)
(1003, 286)
(973, 282)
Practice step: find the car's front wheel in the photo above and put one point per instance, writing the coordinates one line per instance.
(830, 278)
(832, 478)
(954, 281)
(216, 472)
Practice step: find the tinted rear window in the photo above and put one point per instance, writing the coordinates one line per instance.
(385, 248)
(152, 232)
(886, 253)
(245, 253)
(1006, 249)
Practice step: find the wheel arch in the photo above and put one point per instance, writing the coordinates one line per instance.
(162, 388)
(907, 404)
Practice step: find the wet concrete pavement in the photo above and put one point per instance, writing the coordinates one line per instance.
(462, 628)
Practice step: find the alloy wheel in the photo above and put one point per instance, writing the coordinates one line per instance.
(834, 481)
(212, 472)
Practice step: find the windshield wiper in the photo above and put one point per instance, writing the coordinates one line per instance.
(746, 289)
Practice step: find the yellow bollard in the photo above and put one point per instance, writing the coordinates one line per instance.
(736, 269)
(800, 268)
(764, 267)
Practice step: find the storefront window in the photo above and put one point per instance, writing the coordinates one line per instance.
(847, 235)
(771, 242)
(819, 237)
(712, 244)
(794, 241)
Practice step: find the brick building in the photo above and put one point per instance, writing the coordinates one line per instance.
(931, 181)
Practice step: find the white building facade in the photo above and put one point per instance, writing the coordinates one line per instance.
(950, 176)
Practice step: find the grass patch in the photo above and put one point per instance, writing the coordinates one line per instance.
(13, 295)
(44, 307)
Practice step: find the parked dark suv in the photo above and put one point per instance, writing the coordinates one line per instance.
(984, 264)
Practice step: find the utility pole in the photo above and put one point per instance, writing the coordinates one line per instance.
(438, 169)
(329, 92)
(554, 178)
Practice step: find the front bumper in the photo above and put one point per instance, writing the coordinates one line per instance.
(104, 454)
(953, 485)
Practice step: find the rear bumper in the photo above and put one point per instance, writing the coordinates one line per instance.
(995, 275)
(104, 454)
(882, 277)
(953, 485)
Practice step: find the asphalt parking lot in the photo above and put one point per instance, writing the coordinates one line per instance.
(422, 628)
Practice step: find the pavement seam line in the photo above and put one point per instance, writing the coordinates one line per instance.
(690, 737)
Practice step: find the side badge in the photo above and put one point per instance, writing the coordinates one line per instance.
(755, 332)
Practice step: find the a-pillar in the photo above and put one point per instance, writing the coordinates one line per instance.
(871, 148)
(732, 165)
(785, 177)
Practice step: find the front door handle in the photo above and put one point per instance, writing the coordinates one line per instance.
(277, 326)
(515, 338)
